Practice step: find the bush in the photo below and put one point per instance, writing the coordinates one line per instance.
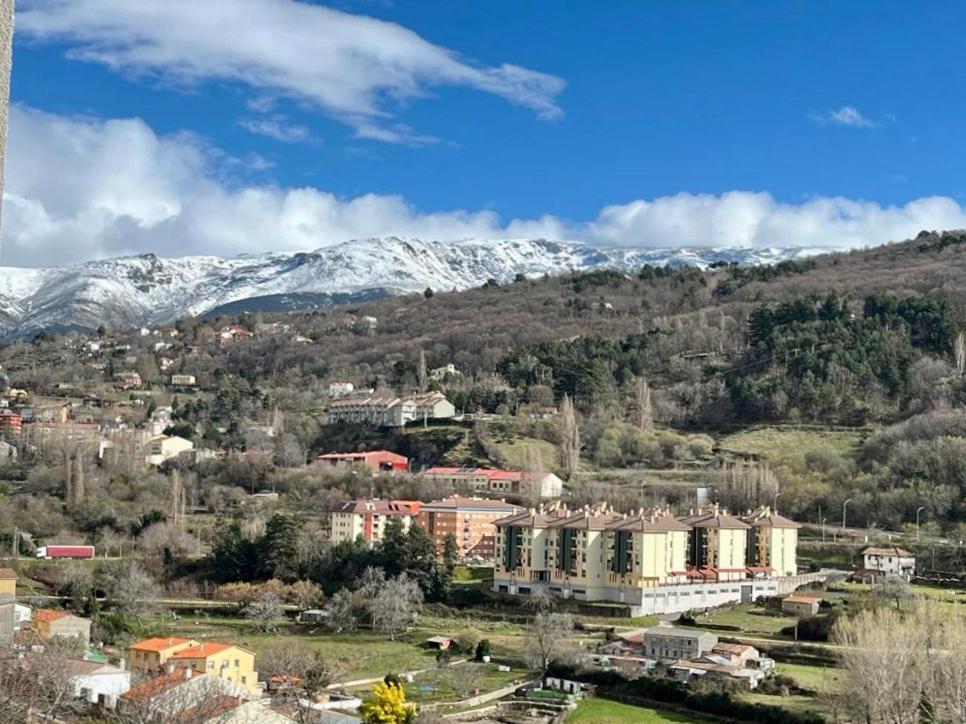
(482, 649)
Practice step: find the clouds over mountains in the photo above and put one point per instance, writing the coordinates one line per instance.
(82, 188)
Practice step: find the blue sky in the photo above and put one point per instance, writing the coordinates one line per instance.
(246, 125)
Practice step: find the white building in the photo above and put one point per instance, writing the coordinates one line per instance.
(165, 447)
(98, 683)
(390, 410)
(890, 561)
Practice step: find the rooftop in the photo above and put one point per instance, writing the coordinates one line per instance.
(160, 644)
(203, 650)
(897, 552)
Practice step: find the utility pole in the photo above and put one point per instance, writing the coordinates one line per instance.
(845, 505)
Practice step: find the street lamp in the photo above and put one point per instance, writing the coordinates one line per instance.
(822, 524)
(774, 507)
(918, 511)
(845, 505)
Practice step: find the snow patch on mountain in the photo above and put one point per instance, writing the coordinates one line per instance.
(149, 290)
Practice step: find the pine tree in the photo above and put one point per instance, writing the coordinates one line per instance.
(280, 547)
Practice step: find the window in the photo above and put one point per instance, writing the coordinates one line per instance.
(236, 663)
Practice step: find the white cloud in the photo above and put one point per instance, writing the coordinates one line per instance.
(845, 116)
(84, 188)
(356, 68)
(276, 128)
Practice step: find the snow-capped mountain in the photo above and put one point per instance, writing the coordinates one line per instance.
(146, 289)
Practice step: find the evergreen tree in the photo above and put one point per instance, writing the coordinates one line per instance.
(279, 547)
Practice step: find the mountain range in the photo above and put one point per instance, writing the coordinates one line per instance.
(146, 289)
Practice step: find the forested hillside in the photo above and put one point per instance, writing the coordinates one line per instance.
(661, 366)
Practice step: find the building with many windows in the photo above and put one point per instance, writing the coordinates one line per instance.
(368, 519)
(653, 561)
(470, 520)
(516, 484)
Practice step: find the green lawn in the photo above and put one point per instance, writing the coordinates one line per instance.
(604, 711)
(750, 618)
(788, 444)
(815, 678)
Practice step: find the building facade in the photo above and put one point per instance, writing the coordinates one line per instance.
(653, 561)
(470, 520)
(367, 519)
(376, 461)
(505, 483)
(390, 410)
(890, 561)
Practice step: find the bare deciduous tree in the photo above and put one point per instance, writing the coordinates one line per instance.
(395, 607)
(548, 639)
(266, 612)
(643, 416)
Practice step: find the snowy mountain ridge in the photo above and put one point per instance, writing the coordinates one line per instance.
(149, 290)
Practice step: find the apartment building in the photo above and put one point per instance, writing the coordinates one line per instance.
(653, 561)
(489, 481)
(772, 543)
(368, 519)
(470, 520)
(718, 544)
(10, 423)
(389, 409)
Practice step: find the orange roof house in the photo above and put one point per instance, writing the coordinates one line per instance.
(151, 654)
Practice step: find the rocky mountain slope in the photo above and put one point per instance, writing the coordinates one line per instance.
(147, 289)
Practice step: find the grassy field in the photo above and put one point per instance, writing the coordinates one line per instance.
(515, 449)
(789, 444)
(604, 711)
(749, 618)
(815, 678)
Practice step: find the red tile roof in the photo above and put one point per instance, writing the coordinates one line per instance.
(158, 684)
(202, 650)
(159, 644)
(43, 615)
(8, 573)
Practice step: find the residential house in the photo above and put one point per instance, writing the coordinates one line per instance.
(687, 671)
(165, 447)
(369, 518)
(673, 642)
(801, 605)
(890, 561)
(504, 483)
(470, 520)
(8, 582)
(232, 333)
(97, 682)
(128, 380)
(49, 624)
(376, 461)
(170, 694)
(183, 380)
(226, 661)
(153, 653)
